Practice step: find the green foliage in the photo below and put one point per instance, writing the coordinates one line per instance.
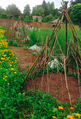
(44, 6)
(49, 18)
(2, 13)
(74, 2)
(13, 43)
(26, 18)
(33, 37)
(25, 47)
(14, 102)
(38, 11)
(13, 10)
(27, 10)
(76, 13)
(51, 7)
(4, 16)
(34, 53)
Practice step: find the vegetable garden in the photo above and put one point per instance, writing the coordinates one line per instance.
(15, 101)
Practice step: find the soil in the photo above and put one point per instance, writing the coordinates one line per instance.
(55, 85)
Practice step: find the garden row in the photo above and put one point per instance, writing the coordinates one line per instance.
(15, 104)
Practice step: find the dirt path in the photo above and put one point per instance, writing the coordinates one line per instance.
(25, 57)
(57, 86)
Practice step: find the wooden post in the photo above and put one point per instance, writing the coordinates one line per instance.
(66, 2)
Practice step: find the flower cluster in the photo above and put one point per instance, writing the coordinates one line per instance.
(73, 116)
(8, 59)
(3, 44)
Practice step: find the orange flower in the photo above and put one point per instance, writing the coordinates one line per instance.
(71, 108)
(3, 74)
(69, 117)
(59, 107)
(54, 117)
(15, 72)
(77, 115)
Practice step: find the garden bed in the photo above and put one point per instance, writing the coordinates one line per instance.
(57, 87)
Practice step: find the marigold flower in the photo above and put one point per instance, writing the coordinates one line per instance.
(54, 117)
(0, 62)
(5, 79)
(15, 72)
(6, 76)
(69, 117)
(77, 115)
(10, 65)
(3, 74)
(59, 107)
(16, 58)
(71, 108)
(2, 58)
(8, 83)
(12, 69)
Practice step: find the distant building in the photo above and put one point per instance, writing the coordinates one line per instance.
(55, 22)
(38, 17)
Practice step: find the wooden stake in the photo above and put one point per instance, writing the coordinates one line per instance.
(66, 81)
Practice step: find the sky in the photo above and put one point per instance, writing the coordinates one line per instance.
(32, 3)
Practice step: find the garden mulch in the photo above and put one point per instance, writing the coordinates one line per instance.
(55, 85)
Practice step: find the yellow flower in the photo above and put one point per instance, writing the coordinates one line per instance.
(71, 108)
(0, 62)
(6, 76)
(8, 83)
(16, 58)
(2, 58)
(54, 117)
(77, 115)
(5, 79)
(12, 69)
(10, 65)
(69, 117)
(15, 72)
(59, 107)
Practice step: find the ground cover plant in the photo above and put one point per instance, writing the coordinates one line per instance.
(14, 103)
(9, 81)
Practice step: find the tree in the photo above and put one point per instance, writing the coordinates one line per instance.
(26, 18)
(2, 11)
(13, 10)
(39, 11)
(49, 17)
(56, 13)
(34, 11)
(4, 16)
(44, 6)
(76, 13)
(27, 10)
(50, 7)
(72, 3)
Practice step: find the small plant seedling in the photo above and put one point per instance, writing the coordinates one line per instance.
(34, 53)
(27, 66)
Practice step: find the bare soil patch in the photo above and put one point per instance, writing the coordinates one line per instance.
(56, 81)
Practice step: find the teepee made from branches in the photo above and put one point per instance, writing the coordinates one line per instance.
(74, 46)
